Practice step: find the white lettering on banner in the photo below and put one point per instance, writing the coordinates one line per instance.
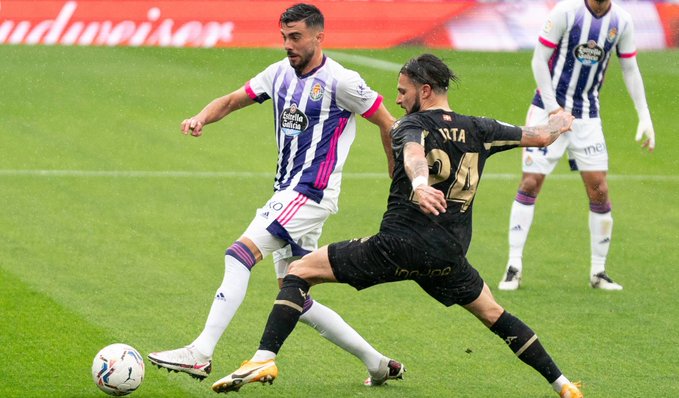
(153, 32)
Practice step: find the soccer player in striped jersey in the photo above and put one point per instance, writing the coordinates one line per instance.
(569, 64)
(425, 232)
(315, 101)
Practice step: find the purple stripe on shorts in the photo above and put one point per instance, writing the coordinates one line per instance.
(600, 208)
(241, 253)
(525, 198)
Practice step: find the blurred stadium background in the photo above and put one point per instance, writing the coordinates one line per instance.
(453, 24)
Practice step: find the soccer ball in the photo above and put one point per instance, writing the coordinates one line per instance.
(118, 369)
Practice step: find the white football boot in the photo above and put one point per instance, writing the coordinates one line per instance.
(511, 280)
(603, 282)
(186, 359)
(389, 370)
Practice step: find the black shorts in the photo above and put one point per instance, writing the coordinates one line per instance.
(383, 258)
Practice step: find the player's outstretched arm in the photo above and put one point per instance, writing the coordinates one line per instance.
(542, 136)
(635, 87)
(215, 111)
(384, 120)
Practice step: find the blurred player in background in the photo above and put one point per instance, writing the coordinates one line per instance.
(569, 64)
(426, 229)
(315, 101)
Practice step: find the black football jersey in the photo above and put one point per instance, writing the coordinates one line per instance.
(456, 147)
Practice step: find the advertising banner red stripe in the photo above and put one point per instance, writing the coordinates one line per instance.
(350, 24)
(669, 16)
(462, 24)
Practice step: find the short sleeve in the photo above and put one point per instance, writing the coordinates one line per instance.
(260, 87)
(354, 95)
(405, 131)
(498, 136)
(627, 47)
(554, 27)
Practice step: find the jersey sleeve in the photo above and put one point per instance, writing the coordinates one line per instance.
(627, 47)
(353, 94)
(260, 87)
(554, 27)
(405, 131)
(498, 136)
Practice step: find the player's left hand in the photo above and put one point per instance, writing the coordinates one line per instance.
(645, 128)
(431, 200)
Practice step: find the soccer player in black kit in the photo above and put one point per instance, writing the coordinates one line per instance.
(426, 229)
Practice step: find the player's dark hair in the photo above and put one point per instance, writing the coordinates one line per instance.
(429, 69)
(310, 14)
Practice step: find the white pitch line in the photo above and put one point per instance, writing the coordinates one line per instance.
(250, 174)
(365, 61)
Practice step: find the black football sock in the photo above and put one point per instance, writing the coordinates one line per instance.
(285, 313)
(525, 344)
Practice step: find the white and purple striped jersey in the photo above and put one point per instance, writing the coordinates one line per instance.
(314, 117)
(582, 45)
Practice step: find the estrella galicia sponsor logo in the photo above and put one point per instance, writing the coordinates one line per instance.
(589, 53)
(316, 92)
(293, 121)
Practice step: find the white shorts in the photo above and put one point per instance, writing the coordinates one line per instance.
(585, 144)
(289, 226)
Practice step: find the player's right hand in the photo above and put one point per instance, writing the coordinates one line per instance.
(645, 128)
(192, 126)
(431, 200)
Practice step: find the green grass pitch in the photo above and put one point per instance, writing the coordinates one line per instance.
(113, 227)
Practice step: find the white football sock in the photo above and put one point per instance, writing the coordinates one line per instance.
(600, 230)
(228, 298)
(520, 221)
(559, 383)
(331, 326)
(263, 355)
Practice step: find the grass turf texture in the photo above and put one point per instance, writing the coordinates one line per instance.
(90, 260)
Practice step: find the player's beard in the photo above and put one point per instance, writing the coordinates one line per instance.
(416, 106)
(302, 63)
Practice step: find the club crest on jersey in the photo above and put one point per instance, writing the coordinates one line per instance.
(316, 92)
(293, 121)
(612, 34)
(589, 53)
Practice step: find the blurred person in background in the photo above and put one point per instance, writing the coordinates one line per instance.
(569, 64)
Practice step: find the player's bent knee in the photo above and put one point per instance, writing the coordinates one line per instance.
(531, 183)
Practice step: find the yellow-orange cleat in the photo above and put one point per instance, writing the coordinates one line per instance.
(571, 390)
(249, 372)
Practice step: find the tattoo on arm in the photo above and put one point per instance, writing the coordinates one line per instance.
(420, 168)
(537, 131)
(414, 161)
